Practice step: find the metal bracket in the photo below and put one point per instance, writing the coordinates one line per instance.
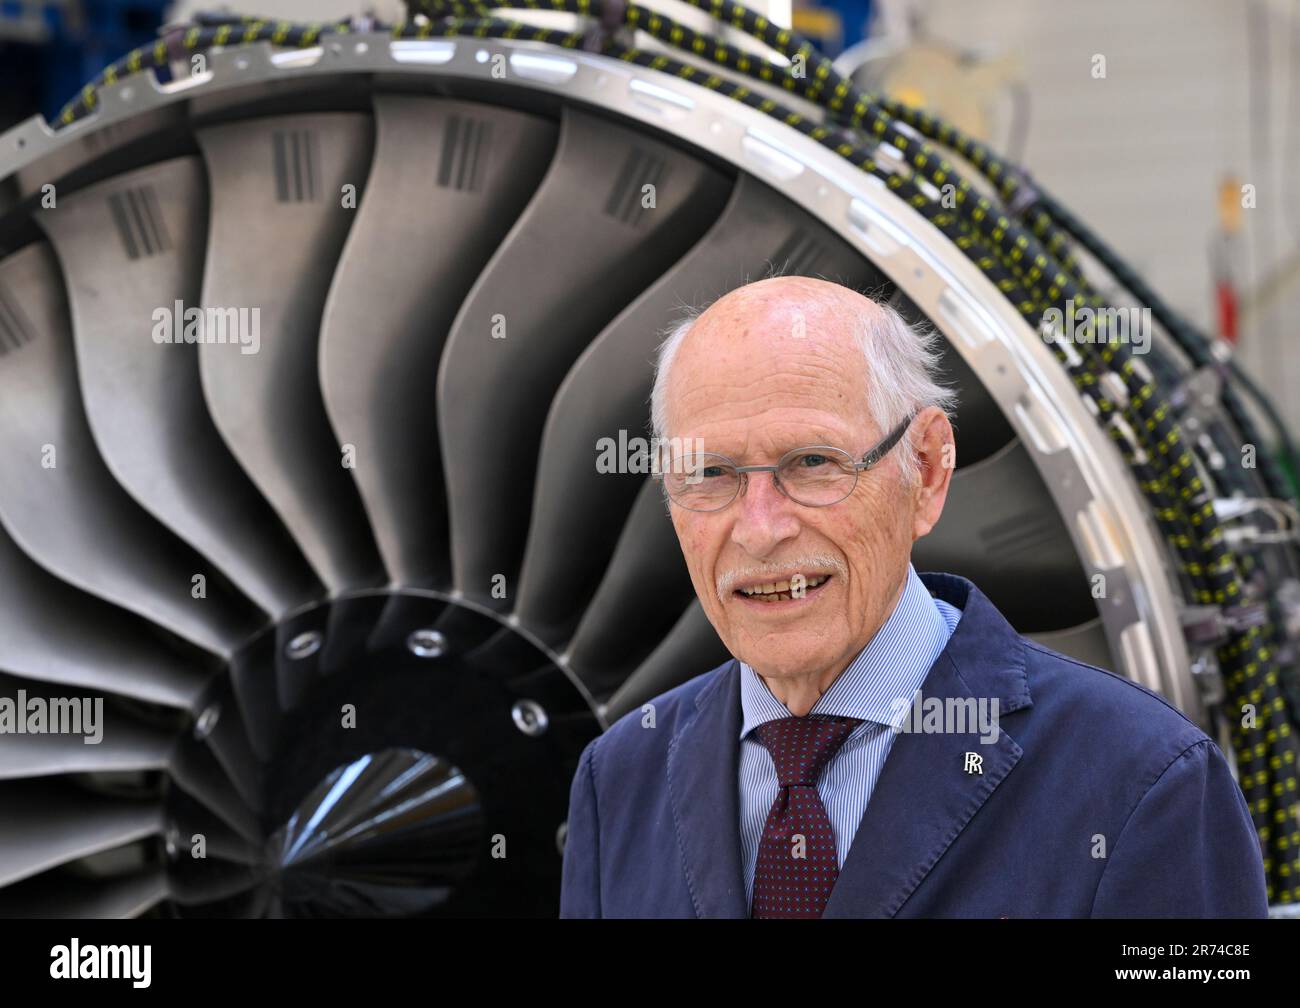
(1026, 197)
(1197, 398)
(1211, 625)
(1208, 677)
(613, 18)
(1284, 515)
(1287, 597)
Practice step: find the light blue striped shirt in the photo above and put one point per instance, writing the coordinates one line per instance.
(893, 664)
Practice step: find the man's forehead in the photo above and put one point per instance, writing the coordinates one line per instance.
(770, 442)
(782, 356)
(774, 318)
(757, 347)
(743, 433)
(796, 292)
(770, 380)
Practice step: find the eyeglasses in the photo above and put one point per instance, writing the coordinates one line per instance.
(815, 476)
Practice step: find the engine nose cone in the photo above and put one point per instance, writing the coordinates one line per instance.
(393, 832)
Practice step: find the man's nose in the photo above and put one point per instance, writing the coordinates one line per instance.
(765, 517)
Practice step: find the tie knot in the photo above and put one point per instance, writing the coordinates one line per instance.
(802, 746)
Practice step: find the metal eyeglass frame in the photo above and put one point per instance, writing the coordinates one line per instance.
(870, 459)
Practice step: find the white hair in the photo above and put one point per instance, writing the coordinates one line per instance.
(901, 363)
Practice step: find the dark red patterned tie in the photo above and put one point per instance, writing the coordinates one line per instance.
(797, 865)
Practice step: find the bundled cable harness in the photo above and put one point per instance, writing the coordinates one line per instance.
(1176, 417)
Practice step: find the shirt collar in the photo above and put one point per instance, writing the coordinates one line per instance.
(890, 668)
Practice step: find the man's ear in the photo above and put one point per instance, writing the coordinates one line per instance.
(936, 456)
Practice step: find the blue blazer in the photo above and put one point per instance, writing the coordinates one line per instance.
(1097, 799)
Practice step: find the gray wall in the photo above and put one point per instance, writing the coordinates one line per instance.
(1139, 155)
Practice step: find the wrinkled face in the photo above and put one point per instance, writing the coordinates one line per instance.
(752, 381)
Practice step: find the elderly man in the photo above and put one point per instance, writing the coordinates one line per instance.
(883, 744)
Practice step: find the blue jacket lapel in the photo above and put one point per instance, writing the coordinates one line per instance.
(924, 796)
(703, 769)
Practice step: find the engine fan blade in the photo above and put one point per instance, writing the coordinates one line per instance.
(196, 771)
(57, 499)
(47, 824)
(74, 734)
(691, 648)
(620, 626)
(71, 898)
(279, 183)
(211, 882)
(449, 179)
(1001, 529)
(143, 398)
(529, 316)
(52, 632)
